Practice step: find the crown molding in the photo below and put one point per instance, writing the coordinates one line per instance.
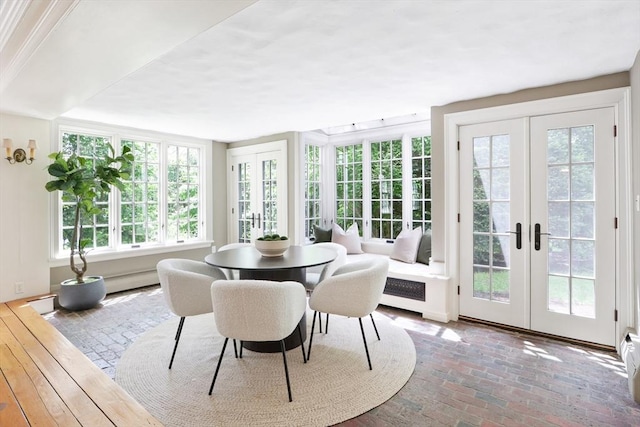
(25, 26)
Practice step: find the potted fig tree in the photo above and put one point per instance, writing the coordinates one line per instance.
(82, 180)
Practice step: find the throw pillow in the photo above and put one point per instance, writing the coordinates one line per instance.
(350, 239)
(405, 248)
(424, 250)
(321, 234)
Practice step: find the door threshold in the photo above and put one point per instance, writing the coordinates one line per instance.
(539, 334)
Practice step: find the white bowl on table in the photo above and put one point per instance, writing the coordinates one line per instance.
(272, 248)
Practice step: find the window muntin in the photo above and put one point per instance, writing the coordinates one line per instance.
(137, 216)
(139, 201)
(386, 189)
(421, 182)
(244, 202)
(349, 185)
(95, 230)
(313, 187)
(403, 165)
(183, 193)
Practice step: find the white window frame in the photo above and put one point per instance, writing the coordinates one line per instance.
(116, 250)
(328, 143)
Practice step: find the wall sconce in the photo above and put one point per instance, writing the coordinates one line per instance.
(19, 155)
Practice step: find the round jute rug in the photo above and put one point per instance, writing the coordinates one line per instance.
(334, 386)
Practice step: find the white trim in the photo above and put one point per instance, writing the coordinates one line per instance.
(617, 98)
(116, 134)
(108, 255)
(26, 25)
(278, 150)
(388, 132)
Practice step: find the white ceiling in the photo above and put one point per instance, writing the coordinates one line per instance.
(231, 70)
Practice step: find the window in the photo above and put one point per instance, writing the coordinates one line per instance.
(421, 182)
(96, 230)
(162, 200)
(386, 189)
(382, 184)
(313, 214)
(183, 193)
(139, 202)
(349, 186)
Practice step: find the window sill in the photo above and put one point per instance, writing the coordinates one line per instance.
(108, 255)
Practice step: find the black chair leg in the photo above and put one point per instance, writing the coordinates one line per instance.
(286, 370)
(241, 349)
(235, 349)
(179, 331)
(304, 357)
(320, 323)
(224, 346)
(177, 339)
(374, 326)
(313, 326)
(366, 349)
(326, 324)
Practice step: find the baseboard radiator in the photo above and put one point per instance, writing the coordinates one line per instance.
(124, 282)
(630, 353)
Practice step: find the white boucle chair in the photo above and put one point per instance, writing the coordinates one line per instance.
(317, 274)
(354, 290)
(186, 286)
(258, 310)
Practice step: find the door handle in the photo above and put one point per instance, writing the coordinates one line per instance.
(259, 221)
(253, 220)
(518, 234)
(537, 235)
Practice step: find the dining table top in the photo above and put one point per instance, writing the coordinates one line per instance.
(249, 258)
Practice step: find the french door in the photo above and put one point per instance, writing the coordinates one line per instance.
(537, 225)
(258, 194)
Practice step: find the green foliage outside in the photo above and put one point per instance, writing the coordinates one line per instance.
(387, 192)
(85, 182)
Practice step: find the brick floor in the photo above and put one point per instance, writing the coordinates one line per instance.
(466, 374)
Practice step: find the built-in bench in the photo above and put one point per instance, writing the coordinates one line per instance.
(411, 287)
(45, 380)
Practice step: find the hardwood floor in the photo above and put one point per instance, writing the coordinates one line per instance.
(466, 374)
(46, 381)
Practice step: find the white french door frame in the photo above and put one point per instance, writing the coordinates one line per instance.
(276, 149)
(619, 99)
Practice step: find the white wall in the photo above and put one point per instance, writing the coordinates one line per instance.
(24, 224)
(25, 221)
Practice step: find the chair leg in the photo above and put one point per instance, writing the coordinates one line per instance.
(179, 331)
(224, 346)
(304, 357)
(326, 324)
(374, 326)
(177, 339)
(286, 370)
(320, 322)
(241, 349)
(235, 349)
(366, 349)
(313, 326)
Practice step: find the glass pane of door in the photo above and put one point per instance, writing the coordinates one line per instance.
(572, 215)
(269, 186)
(246, 216)
(492, 204)
(491, 238)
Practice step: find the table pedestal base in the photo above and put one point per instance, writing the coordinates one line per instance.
(292, 341)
